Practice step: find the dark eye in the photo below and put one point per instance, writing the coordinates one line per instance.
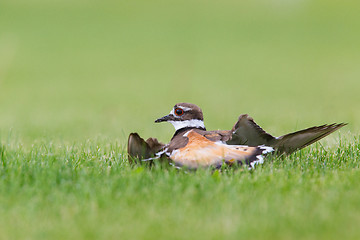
(179, 111)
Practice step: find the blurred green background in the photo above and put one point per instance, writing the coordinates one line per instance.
(76, 69)
(77, 76)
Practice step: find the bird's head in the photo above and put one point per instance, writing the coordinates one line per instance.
(184, 115)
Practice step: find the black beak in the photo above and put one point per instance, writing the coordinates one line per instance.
(164, 118)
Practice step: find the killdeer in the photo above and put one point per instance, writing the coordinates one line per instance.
(193, 146)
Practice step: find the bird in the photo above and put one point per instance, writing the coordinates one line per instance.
(246, 143)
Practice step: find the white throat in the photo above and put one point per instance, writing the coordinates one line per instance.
(187, 123)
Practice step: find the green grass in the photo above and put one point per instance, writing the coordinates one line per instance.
(88, 191)
(76, 77)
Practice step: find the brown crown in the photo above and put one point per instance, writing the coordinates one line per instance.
(195, 112)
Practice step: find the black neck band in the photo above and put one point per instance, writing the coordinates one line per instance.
(185, 129)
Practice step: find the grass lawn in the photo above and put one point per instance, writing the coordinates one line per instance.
(76, 77)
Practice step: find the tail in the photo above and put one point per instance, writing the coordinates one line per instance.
(300, 139)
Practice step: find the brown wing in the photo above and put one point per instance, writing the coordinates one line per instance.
(247, 132)
(300, 139)
(139, 149)
(202, 152)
